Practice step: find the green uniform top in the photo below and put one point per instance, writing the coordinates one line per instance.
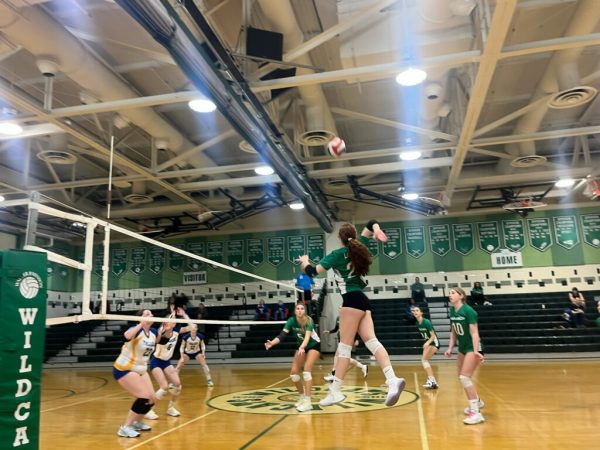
(346, 279)
(460, 321)
(426, 328)
(477, 291)
(295, 329)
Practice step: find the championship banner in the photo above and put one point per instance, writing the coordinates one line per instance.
(22, 334)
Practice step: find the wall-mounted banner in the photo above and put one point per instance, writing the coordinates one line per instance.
(591, 229)
(296, 247)
(565, 231)
(540, 236)
(138, 257)
(373, 247)
(197, 248)
(157, 259)
(316, 247)
(513, 232)
(439, 239)
(506, 258)
(275, 250)
(176, 260)
(235, 253)
(118, 264)
(489, 236)
(214, 251)
(98, 260)
(255, 251)
(393, 247)
(462, 235)
(415, 241)
(194, 278)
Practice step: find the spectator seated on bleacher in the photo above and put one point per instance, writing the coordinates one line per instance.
(409, 317)
(262, 311)
(417, 291)
(575, 313)
(477, 295)
(280, 311)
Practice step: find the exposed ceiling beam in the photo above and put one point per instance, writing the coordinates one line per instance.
(550, 45)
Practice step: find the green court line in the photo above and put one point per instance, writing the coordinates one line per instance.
(262, 433)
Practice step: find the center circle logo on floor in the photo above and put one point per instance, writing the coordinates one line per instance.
(281, 400)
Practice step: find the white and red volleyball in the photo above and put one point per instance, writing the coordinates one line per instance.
(336, 147)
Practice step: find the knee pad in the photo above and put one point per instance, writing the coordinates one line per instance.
(295, 377)
(344, 350)
(425, 364)
(141, 406)
(373, 345)
(307, 376)
(466, 381)
(174, 390)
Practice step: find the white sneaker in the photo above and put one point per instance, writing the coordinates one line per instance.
(332, 398)
(128, 432)
(430, 384)
(151, 415)
(468, 409)
(474, 419)
(210, 383)
(365, 370)
(306, 405)
(141, 426)
(300, 400)
(328, 377)
(487, 303)
(173, 412)
(395, 388)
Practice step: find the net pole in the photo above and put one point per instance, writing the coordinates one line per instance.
(106, 245)
(87, 271)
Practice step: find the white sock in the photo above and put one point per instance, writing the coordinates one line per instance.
(160, 394)
(336, 384)
(389, 373)
(359, 365)
(474, 405)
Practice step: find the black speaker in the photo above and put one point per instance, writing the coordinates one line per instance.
(264, 44)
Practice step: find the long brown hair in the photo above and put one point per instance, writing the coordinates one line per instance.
(306, 319)
(359, 254)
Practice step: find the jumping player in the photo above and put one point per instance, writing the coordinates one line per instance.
(353, 362)
(430, 347)
(309, 349)
(193, 347)
(463, 319)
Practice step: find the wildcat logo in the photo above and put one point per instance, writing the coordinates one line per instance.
(282, 400)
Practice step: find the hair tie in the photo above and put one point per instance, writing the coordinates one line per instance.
(349, 239)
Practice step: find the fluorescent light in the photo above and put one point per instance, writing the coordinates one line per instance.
(411, 77)
(202, 105)
(410, 155)
(410, 196)
(296, 205)
(264, 170)
(10, 129)
(1, 198)
(565, 183)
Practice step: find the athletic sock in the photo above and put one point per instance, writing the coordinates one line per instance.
(160, 394)
(389, 373)
(336, 384)
(474, 405)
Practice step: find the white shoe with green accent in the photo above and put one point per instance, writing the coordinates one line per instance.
(474, 419)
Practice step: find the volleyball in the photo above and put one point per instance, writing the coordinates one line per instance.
(29, 287)
(336, 147)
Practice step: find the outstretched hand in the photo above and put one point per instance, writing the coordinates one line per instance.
(303, 260)
(268, 344)
(379, 234)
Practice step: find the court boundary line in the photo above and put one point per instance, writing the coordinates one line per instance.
(263, 432)
(422, 425)
(116, 394)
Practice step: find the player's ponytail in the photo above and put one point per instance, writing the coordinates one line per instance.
(358, 253)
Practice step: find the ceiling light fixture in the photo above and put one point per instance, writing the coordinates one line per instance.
(1, 198)
(10, 129)
(264, 170)
(296, 205)
(565, 183)
(410, 155)
(411, 77)
(202, 105)
(410, 196)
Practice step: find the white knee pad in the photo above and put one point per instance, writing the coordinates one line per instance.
(295, 377)
(174, 390)
(373, 345)
(466, 381)
(344, 350)
(307, 376)
(425, 364)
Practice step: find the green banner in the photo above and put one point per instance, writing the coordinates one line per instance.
(235, 253)
(393, 247)
(139, 256)
(565, 231)
(439, 239)
(316, 247)
(415, 241)
(540, 236)
(176, 260)
(255, 251)
(118, 264)
(22, 334)
(275, 250)
(157, 259)
(489, 236)
(197, 248)
(98, 260)
(591, 229)
(214, 251)
(462, 235)
(296, 247)
(373, 247)
(513, 232)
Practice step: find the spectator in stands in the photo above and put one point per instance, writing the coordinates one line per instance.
(262, 311)
(409, 317)
(280, 311)
(477, 295)
(598, 319)
(575, 313)
(305, 283)
(417, 291)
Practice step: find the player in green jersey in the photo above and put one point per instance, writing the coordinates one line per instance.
(351, 264)
(465, 331)
(353, 362)
(430, 347)
(309, 350)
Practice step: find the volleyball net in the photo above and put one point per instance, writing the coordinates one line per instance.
(98, 270)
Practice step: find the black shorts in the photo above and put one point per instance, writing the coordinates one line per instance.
(315, 347)
(305, 295)
(356, 300)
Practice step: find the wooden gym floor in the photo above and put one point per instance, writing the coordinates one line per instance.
(529, 405)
